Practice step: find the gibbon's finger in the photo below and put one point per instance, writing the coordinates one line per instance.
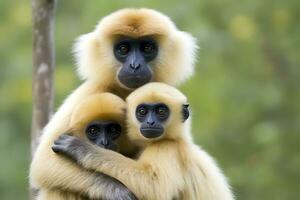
(65, 140)
(64, 136)
(59, 141)
(62, 151)
(58, 148)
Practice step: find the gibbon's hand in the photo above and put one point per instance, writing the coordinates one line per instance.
(120, 193)
(76, 149)
(71, 147)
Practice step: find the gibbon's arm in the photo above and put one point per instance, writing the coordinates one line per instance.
(49, 170)
(142, 177)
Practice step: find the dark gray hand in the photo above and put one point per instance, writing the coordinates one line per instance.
(72, 147)
(115, 189)
(76, 149)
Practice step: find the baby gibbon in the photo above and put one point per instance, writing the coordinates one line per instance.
(99, 120)
(169, 166)
(127, 49)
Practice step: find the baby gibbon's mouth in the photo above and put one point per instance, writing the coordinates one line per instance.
(151, 132)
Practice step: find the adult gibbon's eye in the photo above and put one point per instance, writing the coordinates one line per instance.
(93, 131)
(123, 49)
(148, 48)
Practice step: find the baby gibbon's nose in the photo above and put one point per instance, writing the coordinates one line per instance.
(150, 123)
(150, 120)
(104, 141)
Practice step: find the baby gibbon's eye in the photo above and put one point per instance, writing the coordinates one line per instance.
(114, 130)
(142, 111)
(162, 111)
(93, 131)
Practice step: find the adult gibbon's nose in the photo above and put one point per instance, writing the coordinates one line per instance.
(135, 66)
(136, 60)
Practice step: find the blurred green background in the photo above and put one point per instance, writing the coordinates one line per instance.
(245, 94)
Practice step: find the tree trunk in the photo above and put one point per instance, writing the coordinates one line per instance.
(43, 13)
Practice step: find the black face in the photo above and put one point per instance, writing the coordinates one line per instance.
(135, 54)
(104, 133)
(152, 117)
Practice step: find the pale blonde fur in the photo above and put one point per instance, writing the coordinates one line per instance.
(98, 68)
(78, 182)
(176, 57)
(170, 167)
(100, 106)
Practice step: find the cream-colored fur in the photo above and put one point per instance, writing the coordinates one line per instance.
(169, 167)
(98, 68)
(77, 181)
(176, 56)
(58, 195)
(100, 106)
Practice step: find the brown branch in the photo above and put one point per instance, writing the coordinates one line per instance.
(43, 13)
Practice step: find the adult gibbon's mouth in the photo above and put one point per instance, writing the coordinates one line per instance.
(134, 81)
(133, 77)
(151, 132)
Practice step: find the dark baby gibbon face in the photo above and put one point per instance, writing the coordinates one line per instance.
(135, 55)
(104, 133)
(152, 117)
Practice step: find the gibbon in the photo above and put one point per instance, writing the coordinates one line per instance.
(127, 49)
(170, 166)
(98, 119)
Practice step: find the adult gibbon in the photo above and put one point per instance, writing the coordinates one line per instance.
(169, 166)
(127, 49)
(99, 120)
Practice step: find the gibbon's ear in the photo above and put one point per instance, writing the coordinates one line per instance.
(185, 112)
(186, 55)
(86, 54)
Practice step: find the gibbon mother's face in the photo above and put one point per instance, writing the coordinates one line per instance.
(135, 55)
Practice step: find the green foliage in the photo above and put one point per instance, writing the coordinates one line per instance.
(245, 93)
